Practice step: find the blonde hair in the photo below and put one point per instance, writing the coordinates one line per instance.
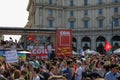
(57, 78)
(100, 79)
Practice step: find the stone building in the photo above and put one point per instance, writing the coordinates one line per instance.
(92, 21)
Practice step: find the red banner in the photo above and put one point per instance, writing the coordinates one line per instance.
(107, 46)
(39, 52)
(64, 43)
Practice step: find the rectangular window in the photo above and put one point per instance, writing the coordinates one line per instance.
(50, 12)
(116, 1)
(116, 10)
(50, 23)
(100, 22)
(116, 22)
(85, 13)
(100, 11)
(85, 2)
(85, 24)
(71, 3)
(100, 2)
(50, 2)
(71, 13)
(72, 24)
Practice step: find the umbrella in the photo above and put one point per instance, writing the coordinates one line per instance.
(88, 51)
(117, 51)
(24, 52)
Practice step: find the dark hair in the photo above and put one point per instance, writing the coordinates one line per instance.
(113, 66)
(118, 77)
(101, 63)
(51, 68)
(69, 62)
(23, 72)
(17, 74)
(36, 70)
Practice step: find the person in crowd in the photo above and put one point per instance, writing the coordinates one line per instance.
(112, 74)
(79, 70)
(43, 74)
(58, 68)
(49, 47)
(1, 73)
(22, 76)
(34, 74)
(67, 72)
(10, 70)
(13, 46)
(52, 71)
(99, 68)
(17, 74)
(36, 63)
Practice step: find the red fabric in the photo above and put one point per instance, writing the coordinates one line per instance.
(64, 43)
(107, 46)
(35, 41)
(31, 37)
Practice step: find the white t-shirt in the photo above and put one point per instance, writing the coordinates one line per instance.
(36, 78)
(79, 73)
(49, 47)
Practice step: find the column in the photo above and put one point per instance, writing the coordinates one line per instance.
(43, 11)
(57, 18)
(25, 42)
(93, 43)
(78, 44)
(108, 38)
(37, 21)
(63, 15)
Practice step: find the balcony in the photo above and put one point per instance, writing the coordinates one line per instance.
(86, 18)
(116, 16)
(100, 17)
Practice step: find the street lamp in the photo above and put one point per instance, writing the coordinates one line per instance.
(112, 25)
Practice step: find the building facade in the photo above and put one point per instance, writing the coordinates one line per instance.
(92, 21)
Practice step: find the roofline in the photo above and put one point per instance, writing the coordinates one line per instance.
(25, 29)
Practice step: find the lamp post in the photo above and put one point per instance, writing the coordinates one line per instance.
(112, 25)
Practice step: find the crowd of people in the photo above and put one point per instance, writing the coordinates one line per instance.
(10, 44)
(80, 67)
(88, 67)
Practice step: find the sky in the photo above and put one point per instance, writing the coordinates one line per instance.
(13, 13)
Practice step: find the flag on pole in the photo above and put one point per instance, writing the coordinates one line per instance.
(31, 37)
(107, 46)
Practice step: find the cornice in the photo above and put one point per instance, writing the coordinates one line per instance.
(97, 31)
(83, 7)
